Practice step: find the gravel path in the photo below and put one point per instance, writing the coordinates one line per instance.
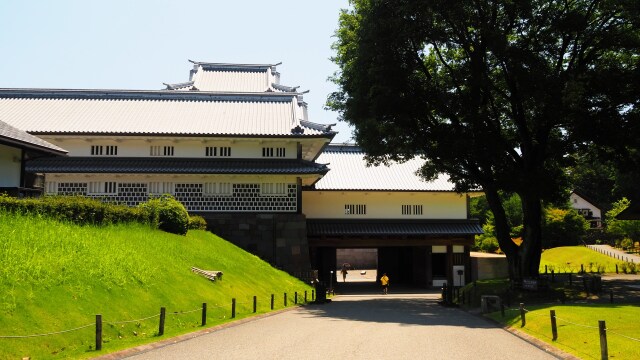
(396, 326)
(615, 253)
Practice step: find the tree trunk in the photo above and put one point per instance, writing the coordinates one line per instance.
(531, 248)
(503, 233)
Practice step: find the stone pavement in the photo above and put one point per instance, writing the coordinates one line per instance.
(359, 326)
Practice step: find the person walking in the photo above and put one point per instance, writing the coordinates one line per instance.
(344, 273)
(384, 281)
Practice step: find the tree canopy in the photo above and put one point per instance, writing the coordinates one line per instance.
(494, 93)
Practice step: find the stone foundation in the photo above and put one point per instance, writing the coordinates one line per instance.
(280, 239)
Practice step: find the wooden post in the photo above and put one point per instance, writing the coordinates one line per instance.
(522, 315)
(617, 269)
(554, 328)
(545, 269)
(586, 286)
(295, 297)
(305, 296)
(204, 314)
(604, 352)
(255, 304)
(553, 276)
(163, 313)
(285, 299)
(272, 298)
(582, 268)
(233, 308)
(98, 332)
(313, 295)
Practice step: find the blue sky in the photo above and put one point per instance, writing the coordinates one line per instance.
(139, 44)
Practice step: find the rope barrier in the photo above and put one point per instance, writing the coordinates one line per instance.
(127, 321)
(46, 334)
(567, 321)
(624, 336)
(131, 321)
(185, 312)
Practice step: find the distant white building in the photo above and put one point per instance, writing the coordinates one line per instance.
(237, 147)
(586, 208)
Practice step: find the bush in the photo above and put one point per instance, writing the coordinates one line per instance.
(76, 209)
(167, 214)
(197, 223)
(626, 243)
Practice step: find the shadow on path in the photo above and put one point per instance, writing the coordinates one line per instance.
(404, 309)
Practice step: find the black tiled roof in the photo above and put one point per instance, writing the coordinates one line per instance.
(392, 227)
(167, 165)
(19, 138)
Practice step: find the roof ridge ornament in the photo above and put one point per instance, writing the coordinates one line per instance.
(284, 87)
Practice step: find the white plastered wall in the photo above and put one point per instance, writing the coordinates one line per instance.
(383, 205)
(577, 202)
(189, 148)
(10, 159)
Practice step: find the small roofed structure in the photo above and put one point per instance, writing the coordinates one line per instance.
(16, 147)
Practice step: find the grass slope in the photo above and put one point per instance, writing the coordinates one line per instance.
(56, 276)
(569, 258)
(578, 328)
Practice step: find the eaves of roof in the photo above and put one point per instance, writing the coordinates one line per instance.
(12, 136)
(148, 165)
(385, 227)
(118, 94)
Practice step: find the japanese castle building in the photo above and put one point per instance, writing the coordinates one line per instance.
(235, 146)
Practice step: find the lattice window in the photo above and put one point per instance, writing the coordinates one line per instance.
(51, 187)
(97, 149)
(273, 152)
(222, 151)
(157, 150)
(102, 187)
(411, 209)
(355, 209)
(111, 150)
(273, 188)
(217, 188)
(159, 188)
(225, 151)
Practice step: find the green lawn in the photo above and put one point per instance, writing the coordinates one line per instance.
(577, 328)
(569, 258)
(57, 276)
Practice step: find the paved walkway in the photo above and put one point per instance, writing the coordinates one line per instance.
(396, 326)
(615, 253)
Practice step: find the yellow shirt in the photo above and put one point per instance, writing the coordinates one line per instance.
(384, 280)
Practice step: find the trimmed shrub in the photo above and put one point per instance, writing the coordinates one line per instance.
(167, 214)
(76, 209)
(197, 222)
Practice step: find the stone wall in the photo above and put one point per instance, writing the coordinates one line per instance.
(488, 266)
(280, 239)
